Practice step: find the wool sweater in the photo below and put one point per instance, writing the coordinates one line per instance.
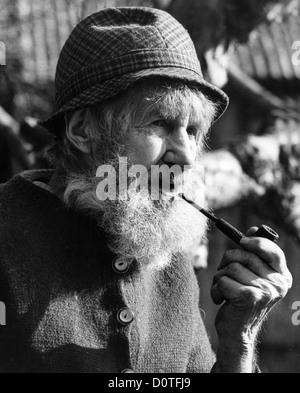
(68, 309)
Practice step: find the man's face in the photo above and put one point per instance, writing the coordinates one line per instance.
(160, 140)
(165, 132)
(154, 125)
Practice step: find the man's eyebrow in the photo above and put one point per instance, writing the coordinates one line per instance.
(163, 112)
(196, 118)
(149, 114)
(155, 111)
(197, 115)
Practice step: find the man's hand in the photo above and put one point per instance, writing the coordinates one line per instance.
(250, 282)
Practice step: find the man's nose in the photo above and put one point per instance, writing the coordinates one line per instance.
(181, 149)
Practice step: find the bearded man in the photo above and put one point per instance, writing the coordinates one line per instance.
(96, 284)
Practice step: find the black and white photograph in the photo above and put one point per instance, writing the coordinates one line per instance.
(150, 189)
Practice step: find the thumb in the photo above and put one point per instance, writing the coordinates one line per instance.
(252, 231)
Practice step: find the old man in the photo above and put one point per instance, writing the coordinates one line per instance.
(95, 284)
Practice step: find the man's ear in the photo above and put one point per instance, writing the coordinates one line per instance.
(76, 131)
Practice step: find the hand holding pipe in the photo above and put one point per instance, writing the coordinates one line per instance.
(229, 230)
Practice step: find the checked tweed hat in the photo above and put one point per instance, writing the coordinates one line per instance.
(112, 49)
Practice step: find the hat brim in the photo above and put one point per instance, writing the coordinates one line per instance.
(113, 87)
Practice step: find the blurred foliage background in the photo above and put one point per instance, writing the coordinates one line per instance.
(252, 168)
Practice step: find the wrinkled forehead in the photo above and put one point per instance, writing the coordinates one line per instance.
(168, 100)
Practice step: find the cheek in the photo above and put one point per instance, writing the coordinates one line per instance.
(145, 150)
(197, 148)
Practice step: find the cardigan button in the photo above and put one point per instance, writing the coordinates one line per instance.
(125, 316)
(127, 371)
(121, 265)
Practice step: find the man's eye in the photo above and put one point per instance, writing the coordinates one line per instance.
(160, 123)
(193, 131)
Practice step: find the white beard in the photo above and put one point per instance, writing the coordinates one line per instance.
(151, 232)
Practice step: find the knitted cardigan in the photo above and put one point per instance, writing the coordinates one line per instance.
(62, 296)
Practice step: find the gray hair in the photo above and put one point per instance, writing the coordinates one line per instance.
(108, 122)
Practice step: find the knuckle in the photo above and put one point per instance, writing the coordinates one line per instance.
(250, 260)
(273, 293)
(253, 296)
(282, 284)
(256, 297)
(229, 255)
(234, 269)
(283, 288)
(222, 284)
(267, 295)
(216, 295)
(269, 291)
(279, 256)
